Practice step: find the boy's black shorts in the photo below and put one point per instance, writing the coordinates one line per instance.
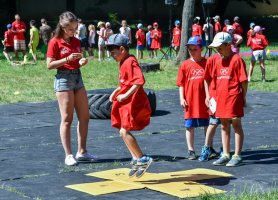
(9, 49)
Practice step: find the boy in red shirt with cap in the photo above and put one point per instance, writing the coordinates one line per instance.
(192, 92)
(156, 36)
(257, 43)
(231, 87)
(19, 28)
(217, 25)
(176, 40)
(8, 42)
(131, 108)
(196, 28)
(140, 37)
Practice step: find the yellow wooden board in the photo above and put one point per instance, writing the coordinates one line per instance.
(104, 187)
(181, 183)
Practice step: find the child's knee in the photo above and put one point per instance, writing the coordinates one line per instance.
(123, 132)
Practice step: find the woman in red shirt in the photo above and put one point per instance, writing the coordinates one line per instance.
(64, 54)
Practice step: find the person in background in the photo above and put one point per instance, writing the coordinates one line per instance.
(156, 36)
(34, 40)
(126, 30)
(149, 41)
(108, 33)
(238, 28)
(257, 43)
(250, 32)
(196, 27)
(140, 37)
(81, 34)
(236, 39)
(208, 30)
(45, 32)
(217, 24)
(91, 40)
(176, 39)
(226, 24)
(19, 28)
(101, 40)
(64, 55)
(8, 43)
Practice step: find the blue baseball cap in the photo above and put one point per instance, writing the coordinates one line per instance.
(252, 24)
(9, 26)
(118, 40)
(177, 22)
(140, 25)
(196, 40)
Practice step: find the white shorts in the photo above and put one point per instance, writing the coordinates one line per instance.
(19, 45)
(101, 42)
(258, 55)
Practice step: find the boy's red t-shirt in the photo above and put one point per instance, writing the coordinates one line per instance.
(229, 75)
(191, 77)
(176, 37)
(16, 26)
(217, 27)
(9, 36)
(196, 30)
(140, 35)
(156, 36)
(58, 48)
(134, 112)
(258, 42)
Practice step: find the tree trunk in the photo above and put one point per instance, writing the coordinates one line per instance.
(187, 17)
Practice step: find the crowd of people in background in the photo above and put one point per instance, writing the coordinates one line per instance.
(95, 38)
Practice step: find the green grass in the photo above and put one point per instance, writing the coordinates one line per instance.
(34, 83)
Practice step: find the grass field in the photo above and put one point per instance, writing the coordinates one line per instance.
(34, 83)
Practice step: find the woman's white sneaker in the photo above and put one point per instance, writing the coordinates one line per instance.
(70, 160)
(85, 157)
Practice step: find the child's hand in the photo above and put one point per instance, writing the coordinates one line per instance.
(121, 97)
(183, 103)
(75, 56)
(83, 61)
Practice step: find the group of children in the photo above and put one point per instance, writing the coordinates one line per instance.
(14, 39)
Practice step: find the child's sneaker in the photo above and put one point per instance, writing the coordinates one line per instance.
(134, 168)
(70, 160)
(235, 161)
(223, 160)
(205, 154)
(191, 155)
(143, 163)
(85, 157)
(213, 154)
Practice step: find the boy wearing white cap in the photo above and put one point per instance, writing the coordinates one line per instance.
(217, 25)
(231, 88)
(257, 43)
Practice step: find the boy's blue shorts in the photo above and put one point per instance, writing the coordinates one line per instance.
(140, 47)
(196, 122)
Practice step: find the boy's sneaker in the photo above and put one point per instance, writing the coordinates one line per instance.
(235, 161)
(191, 155)
(205, 154)
(213, 153)
(134, 168)
(70, 160)
(223, 160)
(143, 163)
(85, 157)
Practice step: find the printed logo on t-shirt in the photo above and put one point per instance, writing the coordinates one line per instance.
(196, 74)
(224, 74)
(257, 41)
(64, 51)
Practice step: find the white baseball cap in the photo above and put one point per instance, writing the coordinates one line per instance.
(220, 38)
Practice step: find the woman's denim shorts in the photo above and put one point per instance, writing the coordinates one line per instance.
(68, 80)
